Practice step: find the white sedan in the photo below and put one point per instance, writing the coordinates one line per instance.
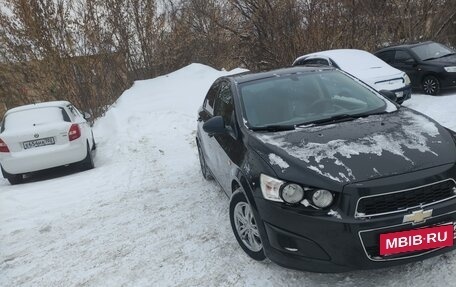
(364, 66)
(42, 136)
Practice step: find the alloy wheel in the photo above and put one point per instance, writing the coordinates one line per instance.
(431, 85)
(246, 227)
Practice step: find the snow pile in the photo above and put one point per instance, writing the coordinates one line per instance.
(145, 216)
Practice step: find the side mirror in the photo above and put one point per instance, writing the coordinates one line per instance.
(389, 95)
(215, 126)
(86, 115)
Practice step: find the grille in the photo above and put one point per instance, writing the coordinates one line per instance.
(402, 200)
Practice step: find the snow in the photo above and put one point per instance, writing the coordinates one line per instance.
(414, 137)
(361, 64)
(277, 160)
(145, 217)
(335, 214)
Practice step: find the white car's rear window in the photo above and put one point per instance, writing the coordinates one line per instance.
(34, 117)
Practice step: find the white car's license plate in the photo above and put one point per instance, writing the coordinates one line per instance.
(38, 143)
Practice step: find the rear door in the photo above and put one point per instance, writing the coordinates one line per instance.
(35, 129)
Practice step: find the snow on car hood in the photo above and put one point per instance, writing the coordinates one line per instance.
(366, 148)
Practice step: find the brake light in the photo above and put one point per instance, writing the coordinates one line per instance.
(3, 146)
(74, 132)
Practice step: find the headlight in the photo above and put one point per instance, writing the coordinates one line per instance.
(292, 193)
(450, 69)
(406, 80)
(322, 198)
(280, 191)
(270, 187)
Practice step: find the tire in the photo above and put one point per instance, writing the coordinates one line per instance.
(87, 163)
(243, 221)
(430, 85)
(204, 169)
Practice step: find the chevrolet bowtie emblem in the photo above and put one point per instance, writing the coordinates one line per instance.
(418, 216)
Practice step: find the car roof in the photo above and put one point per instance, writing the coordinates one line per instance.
(252, 76)
(408, 45)
(336, 54)
(59, 104)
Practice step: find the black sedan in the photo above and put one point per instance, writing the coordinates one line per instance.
(431, 66)
(324, 173)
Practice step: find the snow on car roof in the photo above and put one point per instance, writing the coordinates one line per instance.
(350, 58)
(356, 62)
(39, 105)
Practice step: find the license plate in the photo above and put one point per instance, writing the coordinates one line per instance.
(38, 143)
(399, 94)
(417, 239)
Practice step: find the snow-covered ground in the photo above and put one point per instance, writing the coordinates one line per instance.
(145, 216)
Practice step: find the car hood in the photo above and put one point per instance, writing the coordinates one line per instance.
(445, 61)
(359, 150)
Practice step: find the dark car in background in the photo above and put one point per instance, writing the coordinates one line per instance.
(324, 173)
(431, 66)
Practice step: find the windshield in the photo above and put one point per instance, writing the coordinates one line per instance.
(33, 117)
(296, 99)
(431, 51)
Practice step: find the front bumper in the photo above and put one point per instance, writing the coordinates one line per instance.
(328, 243)
(447, 80)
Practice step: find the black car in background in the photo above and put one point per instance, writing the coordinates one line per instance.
(431, 66)
(324, 173)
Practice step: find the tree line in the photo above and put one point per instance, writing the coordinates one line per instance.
(90, 51)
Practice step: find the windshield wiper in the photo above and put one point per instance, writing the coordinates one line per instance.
(433, 58)
(341, 118)
(333, 119)
(450, 54)
(274, 128)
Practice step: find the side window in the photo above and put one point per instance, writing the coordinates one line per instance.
(73, 111)
(224, 103)
(402, 57)
(65, 116)
(387, 56)
(210, 97)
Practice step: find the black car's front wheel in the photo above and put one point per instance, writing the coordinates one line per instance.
(245, 226)
(204, 169)
(431, 85)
